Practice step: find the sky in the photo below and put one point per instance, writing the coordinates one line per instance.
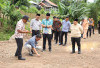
(90, 0)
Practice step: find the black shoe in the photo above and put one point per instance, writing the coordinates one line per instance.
(21, 58)
(16, 55)
(43, 50)
(64, 44)
(72, 52)
(79, 52)
(60, 44)
(31, 54)
(50, 50)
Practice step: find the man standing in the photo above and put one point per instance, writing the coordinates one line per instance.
(31, 44)
(56, 27)
(66, 26)
(98, 26)
(76, 31)
(20, 29)
(35, 25)
(90, 27)
(47, 33)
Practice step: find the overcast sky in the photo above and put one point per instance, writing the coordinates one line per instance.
(90, 0)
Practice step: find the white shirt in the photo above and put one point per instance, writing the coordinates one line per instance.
(35, 24)
(20, 26)
(76, 30)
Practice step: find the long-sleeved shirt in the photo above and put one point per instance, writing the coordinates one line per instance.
(35, 24)
(57, 25)
(76, 30)
(66, 26)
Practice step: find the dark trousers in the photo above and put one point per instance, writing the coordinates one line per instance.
(19, 42)
(89, 32)
(49, 37)
(93, 29)
(57, 35)
(35, 32)
(77, 40)
(62, 34)
(99, 30)
(53, 34)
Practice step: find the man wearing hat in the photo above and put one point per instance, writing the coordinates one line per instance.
(47, 31)
(19, 31)
(76, 31)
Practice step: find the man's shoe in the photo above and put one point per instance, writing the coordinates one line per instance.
(50, 50)
(72, 52)
(79, 52)
(64, 44)
(21, 58)
(16, 55)
(43, 50)
(60, 44)
(31, 54)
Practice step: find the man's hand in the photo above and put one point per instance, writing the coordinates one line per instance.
(38, 55)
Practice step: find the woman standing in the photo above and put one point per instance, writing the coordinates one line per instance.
(85, 28)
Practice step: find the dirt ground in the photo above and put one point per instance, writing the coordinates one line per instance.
(60, 56)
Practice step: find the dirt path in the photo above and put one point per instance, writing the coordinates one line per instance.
(60, 56)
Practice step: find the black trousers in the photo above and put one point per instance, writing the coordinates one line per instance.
(49, 37)
(77, 40)
(93, 29)
(89, 32)
(19, 42)
(99, 30)
(35, 32)
(62, 34)
(57, 35)
(53, 34)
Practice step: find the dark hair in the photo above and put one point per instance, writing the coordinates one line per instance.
(75, 19)
(67, 17)
(48, 14)
(37, 14)
(25, 17)
(38, 35)
(54, 17)
(57, 17)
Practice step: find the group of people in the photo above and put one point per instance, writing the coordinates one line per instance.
(50, 29)
(87, 25)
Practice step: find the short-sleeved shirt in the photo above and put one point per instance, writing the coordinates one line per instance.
(35, 24)
(32, 41)
(47, 22)
(20, 26)
(66, 25)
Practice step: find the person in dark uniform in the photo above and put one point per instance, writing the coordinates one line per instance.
(99, 26)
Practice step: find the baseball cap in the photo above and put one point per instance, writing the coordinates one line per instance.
(26, 17)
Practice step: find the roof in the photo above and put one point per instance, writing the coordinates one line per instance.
(51, 3)
(32, 2)
(42, 4)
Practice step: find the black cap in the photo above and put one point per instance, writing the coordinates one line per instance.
(25, 17)
(75, 19)
(54, 17)
(48, 14)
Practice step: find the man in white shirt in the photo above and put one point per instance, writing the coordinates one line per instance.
(76, 31)
(35, 25)
(19, 31)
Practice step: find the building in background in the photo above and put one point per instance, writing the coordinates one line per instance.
(48, 5)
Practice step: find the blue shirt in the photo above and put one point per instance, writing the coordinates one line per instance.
(47, 22)
(32, 41)
(66, 25)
